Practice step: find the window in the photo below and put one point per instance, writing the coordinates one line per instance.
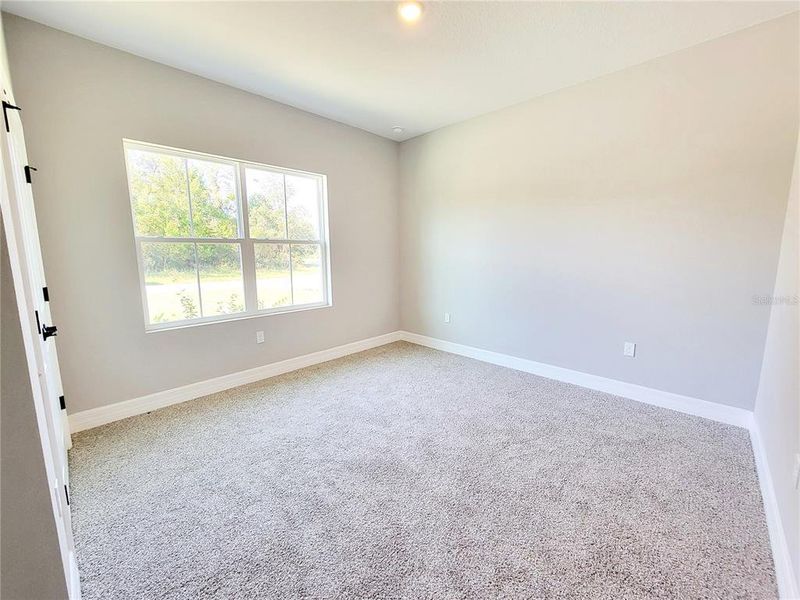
(221, 239)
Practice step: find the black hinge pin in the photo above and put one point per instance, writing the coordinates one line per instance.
(62, 402)
(6, 107)
(28, 170)
(46, 294)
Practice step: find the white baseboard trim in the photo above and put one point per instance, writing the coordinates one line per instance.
(95, 417)
(685, 404)
(784, 571)
(694, 406)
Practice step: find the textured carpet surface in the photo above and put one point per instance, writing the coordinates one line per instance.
(407, 472)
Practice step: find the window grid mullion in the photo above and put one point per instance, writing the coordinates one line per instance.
(247, 252)
(291, 274)
(244, 207)
(191, 230)
(189, 195)
(285, 207)
(199, 287)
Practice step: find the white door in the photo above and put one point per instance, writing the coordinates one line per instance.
(39, 331)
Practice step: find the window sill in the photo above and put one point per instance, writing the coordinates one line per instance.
(239, 317)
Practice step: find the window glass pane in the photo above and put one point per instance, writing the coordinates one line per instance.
(273, 279)
(302, 205)
(306, 273)
(221, 284)
(265, 204)
(159, 195)
(215, 208)
(198, 200)
(170, 281)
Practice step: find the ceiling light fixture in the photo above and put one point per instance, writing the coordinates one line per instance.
(410, 11)
(397, 129)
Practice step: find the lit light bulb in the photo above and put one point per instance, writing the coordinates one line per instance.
(409, 11)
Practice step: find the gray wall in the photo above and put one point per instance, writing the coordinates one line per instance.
(644, 206)
(30, 562)
(777, 409)
(80, 99)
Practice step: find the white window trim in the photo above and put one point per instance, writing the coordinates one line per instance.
(246, 243)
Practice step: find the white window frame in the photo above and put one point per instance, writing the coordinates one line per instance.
(246, 243)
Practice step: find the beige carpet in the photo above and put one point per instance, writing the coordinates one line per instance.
(404, 472)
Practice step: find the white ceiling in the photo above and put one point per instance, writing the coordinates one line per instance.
(355, 62)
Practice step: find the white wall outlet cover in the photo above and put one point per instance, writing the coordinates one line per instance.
(630, 349)
(446, 317)
(259, 337)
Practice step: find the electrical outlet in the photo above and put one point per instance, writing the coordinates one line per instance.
(446, 317)
(630, 349)
(259, 337)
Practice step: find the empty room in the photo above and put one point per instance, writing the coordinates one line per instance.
(419, 300)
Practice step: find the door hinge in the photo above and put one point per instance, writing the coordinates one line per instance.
(46, 294)
(62, 403)
(28, 170)
(6, 107)
(38, 324)
(66, 493)
(49, 331)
